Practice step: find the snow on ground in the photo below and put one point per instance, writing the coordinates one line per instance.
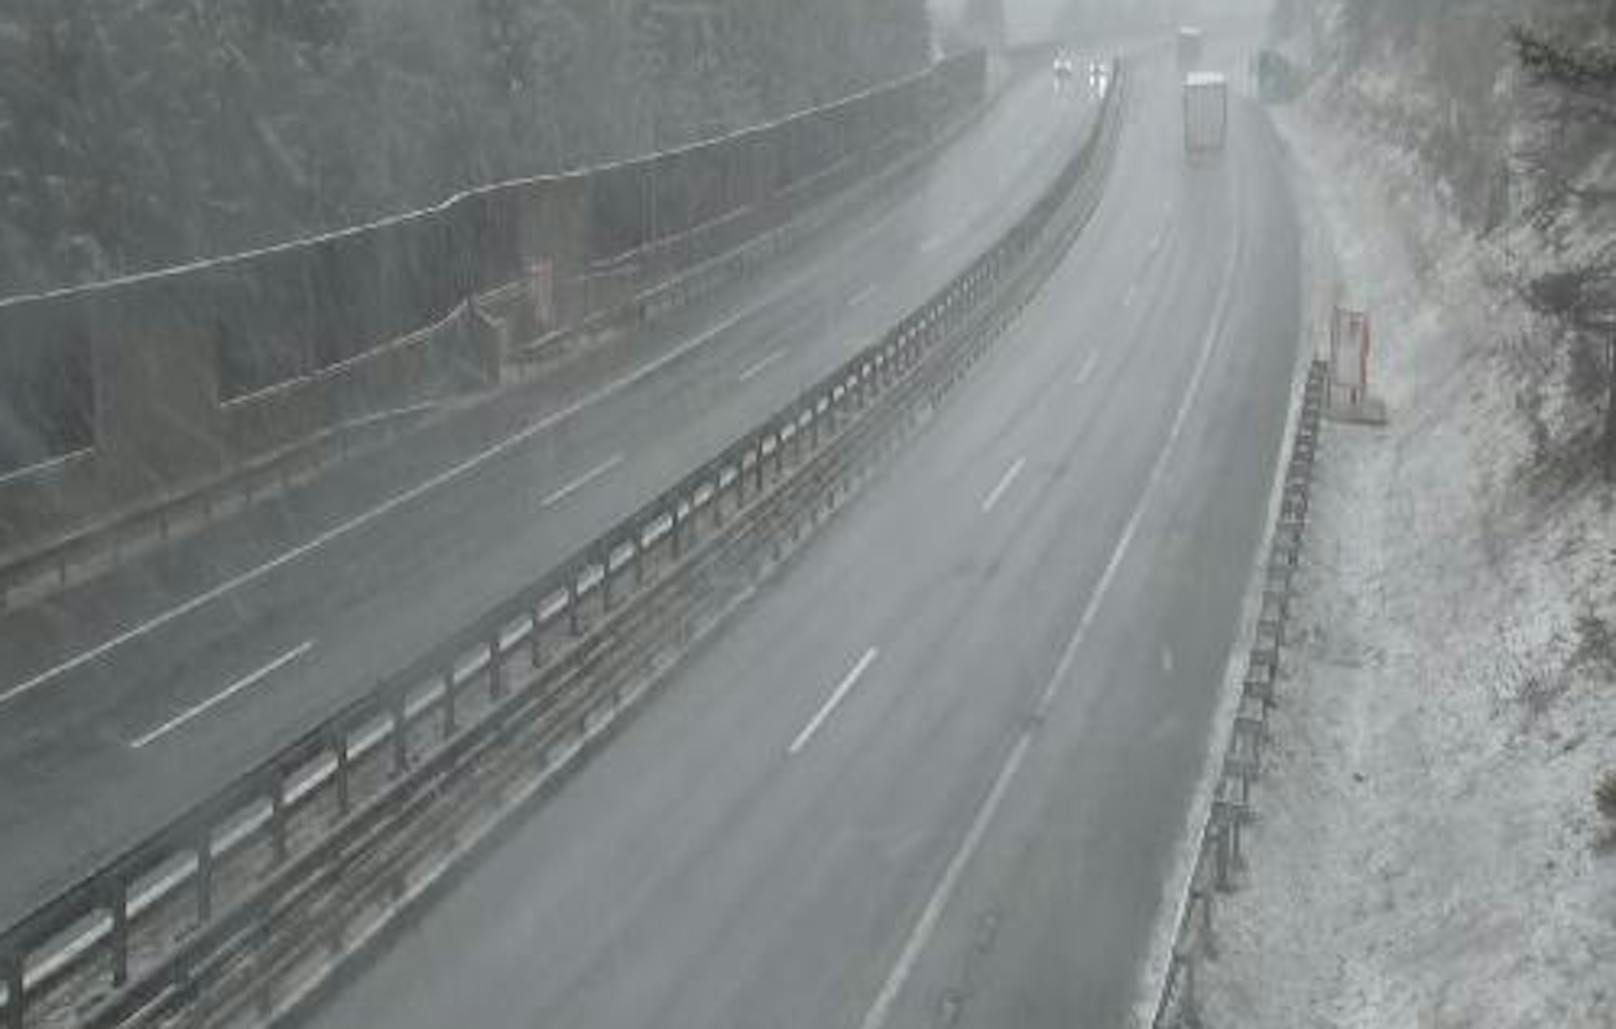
(1428, 852)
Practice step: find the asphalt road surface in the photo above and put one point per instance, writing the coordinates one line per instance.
(937, 774)
(125, 700)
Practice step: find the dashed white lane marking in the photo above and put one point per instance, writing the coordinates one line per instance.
(879, 1011)
(877, 1016)
(862, 295)
(246, 682)
(825, 711)
(581, 481)
(1132, 295)
(1005, 482)
(752, 372)
(1087, 369)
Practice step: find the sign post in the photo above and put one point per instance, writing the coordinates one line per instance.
(1349, 398)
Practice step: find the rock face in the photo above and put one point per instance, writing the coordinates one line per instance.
(134, 136)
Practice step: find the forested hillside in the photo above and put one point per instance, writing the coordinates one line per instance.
(1509, 105)
(1435, 842)
(140, 134)
(1509, 108)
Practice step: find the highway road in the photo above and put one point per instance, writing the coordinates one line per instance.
(937, 774)
(126, 699)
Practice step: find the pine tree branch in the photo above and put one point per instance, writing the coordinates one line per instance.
(1558, 63)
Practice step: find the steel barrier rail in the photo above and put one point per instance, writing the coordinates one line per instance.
(215, 891)
(1218, 849)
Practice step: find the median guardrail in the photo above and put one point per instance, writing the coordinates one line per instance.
(246, 904)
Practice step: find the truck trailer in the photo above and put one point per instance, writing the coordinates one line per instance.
(1206, 113)
(1190, 44)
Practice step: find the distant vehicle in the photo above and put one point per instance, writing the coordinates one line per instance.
(1065, 67)
(1099, 76)
(1206, 113)
(1190, 44)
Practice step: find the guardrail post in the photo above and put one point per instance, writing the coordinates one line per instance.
(401, 743)
(1220, 852)
(675, 530)
(11, 965)
(606, 577)
(204, 876)
(496, 668)
(451, 713)
(535, 651)
(340, 745)
(1209, 942)
(117, 901)
(277, 818)
(1186, 1009)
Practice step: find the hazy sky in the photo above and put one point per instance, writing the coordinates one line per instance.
(1025, 19)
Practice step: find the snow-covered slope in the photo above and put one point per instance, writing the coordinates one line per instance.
(1428, 850)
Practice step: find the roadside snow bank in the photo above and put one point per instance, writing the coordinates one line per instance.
(1428, 851)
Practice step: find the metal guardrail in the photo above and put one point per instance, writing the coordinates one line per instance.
(237, 905)
(1219, 854)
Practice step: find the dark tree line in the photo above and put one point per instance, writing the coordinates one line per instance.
(1510, 106)
(1574, 97)
(139, 135)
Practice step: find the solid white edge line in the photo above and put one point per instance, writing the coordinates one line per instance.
(581, 481)
(1005, 482)
(879, 1011)
(245, 682)
(752, 372)
(807, 734)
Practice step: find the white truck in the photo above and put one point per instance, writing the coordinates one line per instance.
(1206, 113)
(1190, 44)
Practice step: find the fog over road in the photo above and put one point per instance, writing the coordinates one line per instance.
(129, 697)
(938, 773)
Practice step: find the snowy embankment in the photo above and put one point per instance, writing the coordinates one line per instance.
(1427, 849)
